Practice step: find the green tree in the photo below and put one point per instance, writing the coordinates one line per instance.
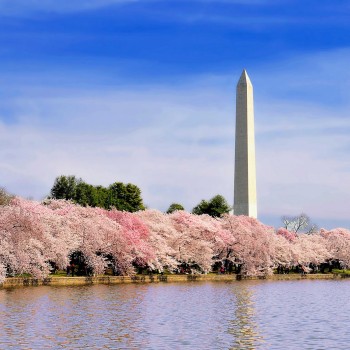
(64, 187)
(121, 196)
(173, 207)
(215, 207)
(126, 197)
(86, 195)
(101, 196)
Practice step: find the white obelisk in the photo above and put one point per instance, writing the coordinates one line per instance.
(245, 170)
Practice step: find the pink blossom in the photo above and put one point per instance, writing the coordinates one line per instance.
(290, 236)
(35, 235)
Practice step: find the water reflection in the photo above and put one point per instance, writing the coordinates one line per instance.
(238, 315)
(243, 326)
(69, 318)
(177, 316)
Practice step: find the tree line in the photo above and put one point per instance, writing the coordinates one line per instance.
(124, 197)
(127, 197)
(37, 238)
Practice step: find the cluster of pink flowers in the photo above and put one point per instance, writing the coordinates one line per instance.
(34, 236)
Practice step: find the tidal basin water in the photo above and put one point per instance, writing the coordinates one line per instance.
(238, 315)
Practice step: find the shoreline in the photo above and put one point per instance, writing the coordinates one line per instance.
(141, 279)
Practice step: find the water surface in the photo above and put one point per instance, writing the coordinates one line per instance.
(199, 315)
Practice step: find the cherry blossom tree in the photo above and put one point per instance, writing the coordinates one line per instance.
(288, 235)
(310, 249)
(200, 238)
(254, 244)
(35, 236)
(337, 242)
(163, 239)
(22, 240)
(131, 244)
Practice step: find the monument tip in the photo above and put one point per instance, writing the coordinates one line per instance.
(244, 79)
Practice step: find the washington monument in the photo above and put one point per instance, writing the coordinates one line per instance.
(245, 172)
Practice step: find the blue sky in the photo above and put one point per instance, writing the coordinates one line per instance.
(144, 92)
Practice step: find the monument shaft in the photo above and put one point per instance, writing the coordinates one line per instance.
(245, 169)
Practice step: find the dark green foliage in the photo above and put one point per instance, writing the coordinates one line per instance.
(173, 207)
(101, 196)
(125, 197)
(64, 187)
(86, 194)
(215, 207)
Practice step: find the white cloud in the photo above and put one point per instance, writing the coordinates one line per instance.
(152, 138)
(177, 142)
(303, 123)
(302, 166)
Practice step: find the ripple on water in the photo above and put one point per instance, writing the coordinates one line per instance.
(237, 315)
